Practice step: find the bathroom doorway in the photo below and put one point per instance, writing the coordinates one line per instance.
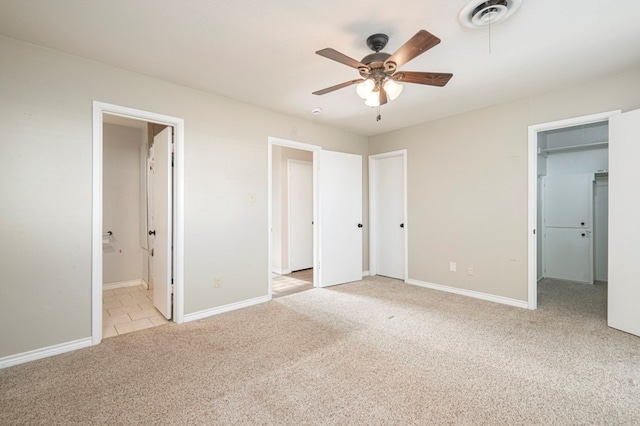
(138, 241)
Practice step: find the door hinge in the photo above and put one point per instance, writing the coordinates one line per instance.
(172, 288)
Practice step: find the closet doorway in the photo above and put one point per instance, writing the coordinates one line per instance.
(387, 214)
(138, 242)
(568, 202)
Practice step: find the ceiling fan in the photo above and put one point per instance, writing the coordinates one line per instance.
(379, 70)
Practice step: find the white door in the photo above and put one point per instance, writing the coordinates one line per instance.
(300, 215)
(624, 224)
(160, 227)
(340, 217)
(568, 238)
(388, 205)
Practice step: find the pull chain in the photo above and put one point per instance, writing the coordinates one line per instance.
(490, 21)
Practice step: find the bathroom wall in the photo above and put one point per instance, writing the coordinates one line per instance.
(123, 257)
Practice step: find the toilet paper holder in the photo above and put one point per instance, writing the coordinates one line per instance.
(106, 237)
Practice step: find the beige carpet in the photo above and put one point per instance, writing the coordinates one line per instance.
(372, 352)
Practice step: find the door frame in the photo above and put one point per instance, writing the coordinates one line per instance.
(532, 202)
(315, 149)
(289, 162)
(373, 246)
(99, 109)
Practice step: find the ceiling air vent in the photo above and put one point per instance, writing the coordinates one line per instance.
(480, 13)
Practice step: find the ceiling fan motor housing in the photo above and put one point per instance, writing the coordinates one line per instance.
(377, 69)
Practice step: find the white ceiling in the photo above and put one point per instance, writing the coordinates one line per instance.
(262, 51)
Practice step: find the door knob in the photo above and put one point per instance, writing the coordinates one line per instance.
(582, 223)
(402, 225)
(359, 225)
(584, 235)
(152, 232)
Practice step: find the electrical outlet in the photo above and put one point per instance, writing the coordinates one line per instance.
(470, 270)
(452, 266)
(217, 282)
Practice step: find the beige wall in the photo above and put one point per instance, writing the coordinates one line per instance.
(467, 187)
(467, 184)
(46, 178)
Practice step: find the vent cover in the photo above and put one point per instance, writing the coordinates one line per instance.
(480, 13)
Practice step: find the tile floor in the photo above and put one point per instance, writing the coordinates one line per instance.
(128, 309)
(283, 285)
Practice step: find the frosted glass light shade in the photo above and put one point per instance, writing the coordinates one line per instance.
(364, 89)
(373, 100)
(393, 89)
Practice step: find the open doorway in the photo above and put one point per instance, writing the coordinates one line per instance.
(292, 212)
(136, 201)
(337, 215)
(134, 251)
(568, 203)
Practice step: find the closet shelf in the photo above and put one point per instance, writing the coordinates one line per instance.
(585, 146)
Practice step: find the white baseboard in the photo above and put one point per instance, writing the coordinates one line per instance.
(365, 274)
(12, 360)
(226, 308)
(281, 271)
(121, 284)
(470, 293)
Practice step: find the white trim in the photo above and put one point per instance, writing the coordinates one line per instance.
(99, 109)
(532, 214)
(11, 360)
(470, 293)
(271, 141)
(122, 284)
(226, 308)
(365, 274)
(373, 246)
(281, 271)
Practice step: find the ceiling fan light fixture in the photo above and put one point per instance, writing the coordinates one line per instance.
(373, 100)
(393, 89)
(365, 88)
(379, 75)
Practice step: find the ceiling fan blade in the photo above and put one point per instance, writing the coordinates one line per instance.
(428, 78)
(416, 45)
(338, 86)
(340, 57)
(383, 96)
